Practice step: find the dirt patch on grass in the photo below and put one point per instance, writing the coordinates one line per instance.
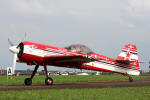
(78, 85)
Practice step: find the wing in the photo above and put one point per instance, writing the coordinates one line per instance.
(65, 60)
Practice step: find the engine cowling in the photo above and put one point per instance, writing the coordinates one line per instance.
(21, 48)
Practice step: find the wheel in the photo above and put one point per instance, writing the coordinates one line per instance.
(28, 81)
(130, 79)
(48, 81)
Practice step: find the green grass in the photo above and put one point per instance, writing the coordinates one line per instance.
(128, 93)
(19, 80)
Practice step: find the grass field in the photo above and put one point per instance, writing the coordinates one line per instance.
(128, 93)
(19, 80)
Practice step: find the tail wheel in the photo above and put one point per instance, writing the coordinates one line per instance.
(48, 81)
(28, 81)
(130, 79)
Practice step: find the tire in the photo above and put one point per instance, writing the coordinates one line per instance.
(48, 81)
(130, 79)
(28, 81)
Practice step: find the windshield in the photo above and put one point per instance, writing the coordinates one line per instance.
(80, 49)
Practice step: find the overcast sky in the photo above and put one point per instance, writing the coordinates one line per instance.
(103, 25)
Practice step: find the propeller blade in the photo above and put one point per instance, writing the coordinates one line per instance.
(25, 37)
(14, 64)
(10, 42)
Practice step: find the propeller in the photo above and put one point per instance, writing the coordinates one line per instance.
(25, 36)
(14, 63)
(15, 51)
(10, 42)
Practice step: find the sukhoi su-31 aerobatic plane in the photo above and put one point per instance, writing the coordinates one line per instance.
(74, 56)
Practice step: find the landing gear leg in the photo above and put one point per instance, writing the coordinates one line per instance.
(130, 78)
(28, 81)
(48, 80)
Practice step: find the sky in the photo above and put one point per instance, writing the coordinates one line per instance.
(103, 25)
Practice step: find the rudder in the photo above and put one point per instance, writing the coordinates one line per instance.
(129, 56)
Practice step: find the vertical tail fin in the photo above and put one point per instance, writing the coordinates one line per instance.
(129, 56)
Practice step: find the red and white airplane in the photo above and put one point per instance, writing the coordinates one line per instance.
(74, 56)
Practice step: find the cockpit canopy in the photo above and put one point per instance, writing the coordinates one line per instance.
(79, 49)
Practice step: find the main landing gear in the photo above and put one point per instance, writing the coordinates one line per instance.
(48, 80)
(130, 78)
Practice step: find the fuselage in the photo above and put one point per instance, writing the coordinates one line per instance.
(34, 53)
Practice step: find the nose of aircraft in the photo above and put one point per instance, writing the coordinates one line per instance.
(14, 49)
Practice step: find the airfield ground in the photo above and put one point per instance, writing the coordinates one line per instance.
(19, 80)
(126, 93)
(63, 82)
(107, 87)
(79, 85)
